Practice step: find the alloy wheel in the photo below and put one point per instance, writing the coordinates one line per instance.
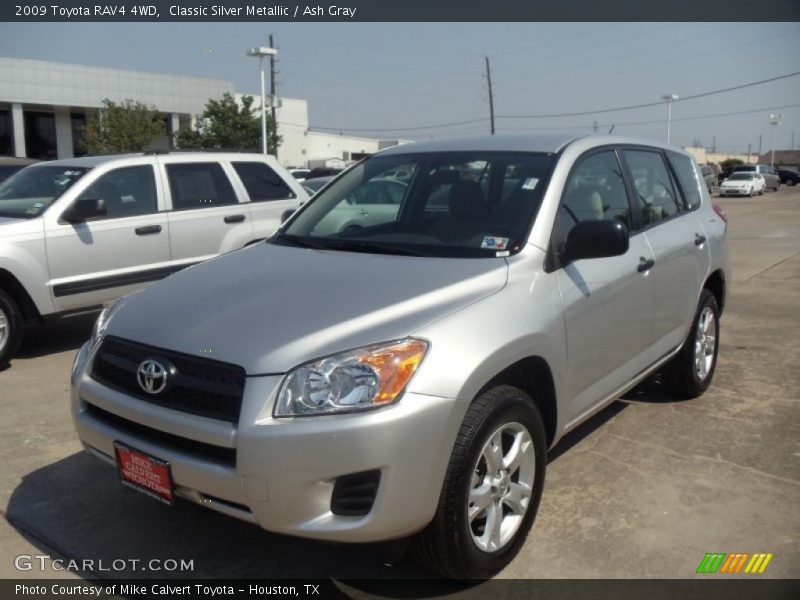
(705, 345)
(501, 487)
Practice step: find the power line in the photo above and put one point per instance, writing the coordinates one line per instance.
(573, 114)
(649, 104)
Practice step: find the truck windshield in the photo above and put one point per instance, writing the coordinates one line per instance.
(29, 192)
(454, 204)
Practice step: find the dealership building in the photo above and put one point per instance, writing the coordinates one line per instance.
(44, 105)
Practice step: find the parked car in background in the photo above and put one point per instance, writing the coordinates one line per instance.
(406, 378)
(10, 165)
(299, 174)
(723, 174)
(788, 176)
(770, 175)
(708, 176)
(312, 186)
(743, 183)
(323, 172)
(76, 233)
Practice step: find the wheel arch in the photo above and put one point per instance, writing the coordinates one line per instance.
(17, 291)
(715, 283)
(532, 374)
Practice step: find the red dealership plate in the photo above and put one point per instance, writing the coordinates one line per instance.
(144, 473)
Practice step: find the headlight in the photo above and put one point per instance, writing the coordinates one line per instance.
(109, 310)
(355, 380)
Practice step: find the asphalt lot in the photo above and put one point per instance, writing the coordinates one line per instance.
(644, 489)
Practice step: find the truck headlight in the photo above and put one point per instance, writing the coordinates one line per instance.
(350, 381)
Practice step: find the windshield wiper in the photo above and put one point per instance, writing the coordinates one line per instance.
(302, 242)
(367, 246)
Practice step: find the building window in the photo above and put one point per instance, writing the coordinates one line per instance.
(78, 121)
(40, 135)
(6, 140)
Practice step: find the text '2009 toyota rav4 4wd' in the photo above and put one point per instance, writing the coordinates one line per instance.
(405, 374)
(76, 233)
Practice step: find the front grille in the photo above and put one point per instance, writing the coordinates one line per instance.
(218, 454)
(200, 386)
(354, 494)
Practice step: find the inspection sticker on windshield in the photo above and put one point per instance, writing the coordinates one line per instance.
(530, 183)
(495, 243)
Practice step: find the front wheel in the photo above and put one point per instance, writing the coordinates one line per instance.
(690, 372)
(491, 490)
(10, 328)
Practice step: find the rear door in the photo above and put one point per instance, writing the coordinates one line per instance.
(678, 240)
(207, 217)
(106, 257)
(608, 302)
(269, 194)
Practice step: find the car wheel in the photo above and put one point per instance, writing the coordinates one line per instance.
(761, 192)
(491, 490)
(750, 193)
(690, 372)
(10, 328)
(791, 182)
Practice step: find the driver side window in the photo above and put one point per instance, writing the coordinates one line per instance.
(595, 190)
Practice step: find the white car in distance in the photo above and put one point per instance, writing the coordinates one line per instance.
(745, 183)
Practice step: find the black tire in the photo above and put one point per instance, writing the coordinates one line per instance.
(446, 545)
(10, 328)
(681, 376)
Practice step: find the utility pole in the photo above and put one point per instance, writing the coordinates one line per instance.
(792, 139)
(272, 92)
(759, 147)
(748, 153)
(594, 127)
(491, 96)
(714, 144)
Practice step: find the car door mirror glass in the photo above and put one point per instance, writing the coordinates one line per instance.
(84, 209)
(596, 239)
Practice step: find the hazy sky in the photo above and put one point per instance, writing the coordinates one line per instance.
(395, 75)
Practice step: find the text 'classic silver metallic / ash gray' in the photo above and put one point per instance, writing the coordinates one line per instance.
(398, 358)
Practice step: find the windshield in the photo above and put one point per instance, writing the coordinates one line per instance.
(457, 204)
(29, 192)
(736, 176)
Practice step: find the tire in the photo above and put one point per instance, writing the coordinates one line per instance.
(686, 376)
(761, 192)
(454, 546)
(10, 328)
(750, 195)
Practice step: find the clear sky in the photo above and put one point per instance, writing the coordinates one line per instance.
(395, 75)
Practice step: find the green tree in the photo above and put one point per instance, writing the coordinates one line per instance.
(229, 126)
(730, 162)
(126, 127)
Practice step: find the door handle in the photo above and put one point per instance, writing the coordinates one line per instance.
(148, 230)
(234, 218)
(699, 240)
(645, 264)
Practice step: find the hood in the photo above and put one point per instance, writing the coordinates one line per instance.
(738, 182)
(269, 308)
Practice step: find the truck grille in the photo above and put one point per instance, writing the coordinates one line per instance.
(199, 386)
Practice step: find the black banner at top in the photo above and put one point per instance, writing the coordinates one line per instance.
(398, 10)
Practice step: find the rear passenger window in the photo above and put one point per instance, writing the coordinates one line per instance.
(687, 178)
(653, 185)
(261, 182)
(199, 185)
(127, 192)
(595, 191)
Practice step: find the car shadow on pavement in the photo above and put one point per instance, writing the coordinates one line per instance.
(69, 334)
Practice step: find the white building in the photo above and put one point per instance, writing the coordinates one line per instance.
(43, 105)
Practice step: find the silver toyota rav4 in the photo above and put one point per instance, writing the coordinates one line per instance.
(407, 375)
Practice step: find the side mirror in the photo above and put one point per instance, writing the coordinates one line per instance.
(85, 209)
(286, 214)
(596, 239)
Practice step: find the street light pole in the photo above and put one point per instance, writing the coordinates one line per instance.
(775, 120)
(670, 98)
(261, 52)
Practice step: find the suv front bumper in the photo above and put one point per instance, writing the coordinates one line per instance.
(284, 470)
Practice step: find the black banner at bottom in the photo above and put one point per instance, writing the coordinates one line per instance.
(712, 588)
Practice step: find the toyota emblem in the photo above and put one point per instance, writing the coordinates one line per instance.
(152, 376)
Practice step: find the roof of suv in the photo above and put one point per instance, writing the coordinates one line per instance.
(516, 143)
(93, 161)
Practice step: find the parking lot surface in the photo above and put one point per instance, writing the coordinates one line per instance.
(644, 489)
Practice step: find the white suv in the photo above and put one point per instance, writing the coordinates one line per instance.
(80, 232)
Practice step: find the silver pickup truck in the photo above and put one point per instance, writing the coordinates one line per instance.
(80, 232)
